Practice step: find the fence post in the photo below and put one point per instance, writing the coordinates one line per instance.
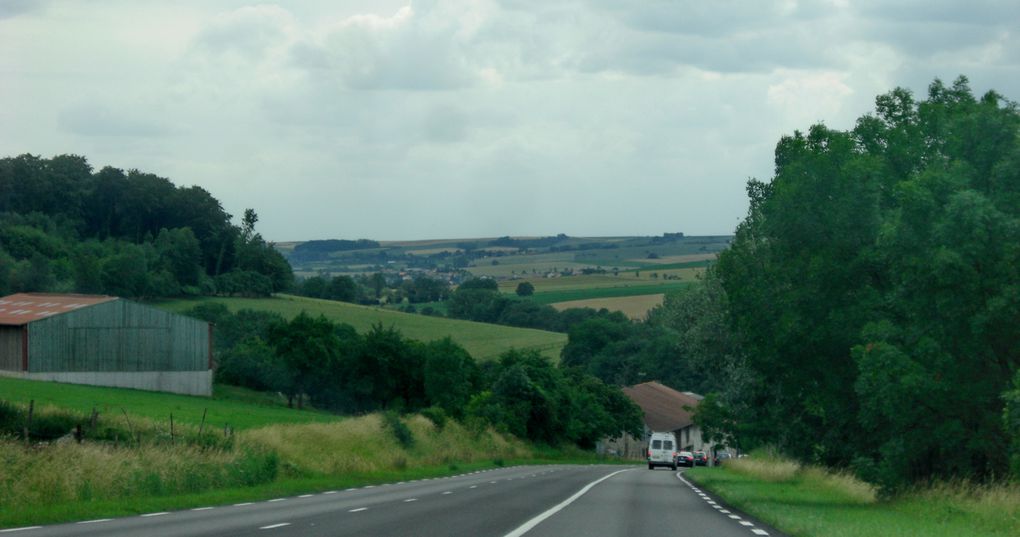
(28, 422)
(171, 428)
(201, 427)
(131, 428)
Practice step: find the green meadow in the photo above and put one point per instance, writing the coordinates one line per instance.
(483, 341)
(229, 405)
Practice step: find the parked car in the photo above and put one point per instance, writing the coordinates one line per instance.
(662, 450)
(722, 457)
(700, 458)
(685, 458)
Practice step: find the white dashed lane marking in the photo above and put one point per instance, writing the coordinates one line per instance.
(358, 510)
(156, 514)
(272, 526)
(12, 530)
(98, 520)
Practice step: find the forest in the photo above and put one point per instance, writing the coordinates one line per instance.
(67, 228)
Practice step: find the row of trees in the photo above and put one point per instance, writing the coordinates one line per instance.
(64, 228)
(339, 369)
(873, 294)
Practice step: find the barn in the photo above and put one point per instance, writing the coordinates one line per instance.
(104, 341)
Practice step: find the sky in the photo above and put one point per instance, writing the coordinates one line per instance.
(399, 120)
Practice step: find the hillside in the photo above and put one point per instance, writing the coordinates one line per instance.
(483, 341)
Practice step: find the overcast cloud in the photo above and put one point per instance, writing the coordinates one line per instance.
(431, 119)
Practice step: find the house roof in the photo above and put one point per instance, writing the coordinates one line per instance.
(663, 406)
(22, 308)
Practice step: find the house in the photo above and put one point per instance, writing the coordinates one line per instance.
(104, 341)
(665, 410)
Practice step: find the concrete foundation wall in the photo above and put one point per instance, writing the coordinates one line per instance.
(185, 382)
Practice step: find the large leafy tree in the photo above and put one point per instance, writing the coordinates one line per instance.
(874, 285)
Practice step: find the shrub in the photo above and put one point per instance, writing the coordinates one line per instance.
(400, 430)
(436, 415)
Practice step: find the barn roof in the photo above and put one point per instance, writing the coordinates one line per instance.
(22, 308)
(663, 406)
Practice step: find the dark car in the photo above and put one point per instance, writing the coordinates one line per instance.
(700, 458)
(685, 458)
(722, 457)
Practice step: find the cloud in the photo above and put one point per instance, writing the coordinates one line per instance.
(13, 8)
(102, 120)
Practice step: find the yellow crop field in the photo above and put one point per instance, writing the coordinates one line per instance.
(635, 307)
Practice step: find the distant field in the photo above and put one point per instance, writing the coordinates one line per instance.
(567, 295)
(483, 341)
(643, 284)
(635, 307)
(236, 407)
(678, 259)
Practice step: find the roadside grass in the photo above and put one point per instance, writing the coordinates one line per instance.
(483, 341)
(810, 502)
(634, 307)
(62, 481)
(230, 406)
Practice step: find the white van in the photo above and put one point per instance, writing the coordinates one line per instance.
(662, 450)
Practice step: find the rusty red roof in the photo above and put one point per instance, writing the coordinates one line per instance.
(23, 308)
(664, 407)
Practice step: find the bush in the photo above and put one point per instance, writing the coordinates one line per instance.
(436, 415)
(400, 430)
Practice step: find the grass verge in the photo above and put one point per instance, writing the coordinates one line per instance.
(809, 502)
(46, 483)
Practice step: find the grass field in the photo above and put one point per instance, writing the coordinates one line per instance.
(635, 307)
(589, 293)
(810, 502)
(236, 407)
(483, 341)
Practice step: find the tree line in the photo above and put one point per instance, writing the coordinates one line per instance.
(336, 368)
(66, 228)
(870, 300)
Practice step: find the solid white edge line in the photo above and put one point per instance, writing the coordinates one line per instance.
(12, 530)
(527, 526)
(280, 525)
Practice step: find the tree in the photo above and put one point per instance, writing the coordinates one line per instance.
(525, 289)
(872, 284)
(306, 345)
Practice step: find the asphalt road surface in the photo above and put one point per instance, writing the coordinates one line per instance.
(537, 501)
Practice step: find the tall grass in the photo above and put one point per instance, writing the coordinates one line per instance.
(37, 475)
(366, 445)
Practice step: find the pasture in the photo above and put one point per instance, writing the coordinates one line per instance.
(483, 341)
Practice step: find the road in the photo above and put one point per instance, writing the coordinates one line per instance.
(537, 501)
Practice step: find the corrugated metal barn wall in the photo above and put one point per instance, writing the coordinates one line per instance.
(118, 336)
(10, 348)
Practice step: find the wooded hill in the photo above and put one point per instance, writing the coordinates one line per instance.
(66, 228)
